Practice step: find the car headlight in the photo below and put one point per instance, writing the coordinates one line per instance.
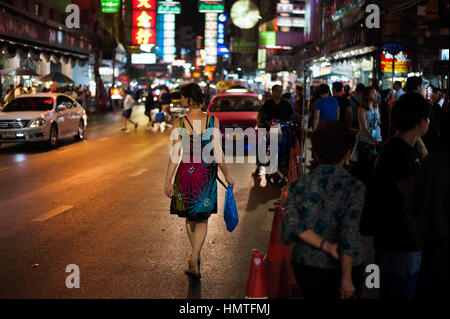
(38, 123)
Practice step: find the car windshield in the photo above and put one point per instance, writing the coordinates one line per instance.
(30, 104)
(235, 104)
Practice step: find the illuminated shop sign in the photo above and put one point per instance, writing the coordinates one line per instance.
(291, 22)
(143, 36)
(167, 7)
(267, 38)
(110, 6)
(143, 58)
(211, 38)
(143, 22)
(144, 4)
(205, 7)
(144, 19)
(402, 62)
(298, 8)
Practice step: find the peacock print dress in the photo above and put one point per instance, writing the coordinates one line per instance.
(195, 186)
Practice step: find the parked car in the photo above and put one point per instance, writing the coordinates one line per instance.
(43, 117)
(235, 110)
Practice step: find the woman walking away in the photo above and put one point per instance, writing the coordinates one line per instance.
(194, 191)
(369, 136)
(128, 105)
(322, 218)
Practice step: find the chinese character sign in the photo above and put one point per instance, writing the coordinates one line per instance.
(143, 36)
(144, 22)
(144, 4)
(144, 19)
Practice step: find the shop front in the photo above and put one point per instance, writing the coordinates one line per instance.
(30, 44)
(351, 67)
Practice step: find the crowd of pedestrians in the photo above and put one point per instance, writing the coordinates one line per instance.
(381, 170)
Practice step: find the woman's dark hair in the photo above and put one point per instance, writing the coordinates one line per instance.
(315, 95)
(409, 110)
(299, 89)
(365, 98)
(332, 141)
(194, 92)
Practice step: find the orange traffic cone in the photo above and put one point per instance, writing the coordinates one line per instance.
(278, 268)
(256, 286)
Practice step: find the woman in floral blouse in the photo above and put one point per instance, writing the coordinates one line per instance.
(322, 218)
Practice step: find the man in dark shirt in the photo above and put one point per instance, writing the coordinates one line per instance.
(428, 210)
(276, 108)
(164, 100)
(345, 110)
(396, 251)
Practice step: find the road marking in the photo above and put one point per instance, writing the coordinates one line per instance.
(52, 213)
(104, 139)
(267, 222)
(139, 172)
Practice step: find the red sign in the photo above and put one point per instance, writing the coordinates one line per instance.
(402, 62)
(125, 80)
(143, 36)
(144, 19)
(144, 4)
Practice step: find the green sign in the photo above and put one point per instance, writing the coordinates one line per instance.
(211, 7)
(244, 45)
(267, 38)
(169, 8)
(110, 6)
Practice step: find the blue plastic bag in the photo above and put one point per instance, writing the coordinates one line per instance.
(230, 213)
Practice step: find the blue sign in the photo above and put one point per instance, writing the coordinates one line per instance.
(221, 47)
(393, 46)
(223, 18)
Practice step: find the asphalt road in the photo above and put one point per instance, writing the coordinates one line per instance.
(99, 204)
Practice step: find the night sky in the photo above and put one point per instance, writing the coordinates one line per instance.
(190, 16)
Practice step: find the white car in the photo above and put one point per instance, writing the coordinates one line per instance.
(43, 117)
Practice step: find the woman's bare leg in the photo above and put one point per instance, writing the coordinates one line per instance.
(199, 231)
(190, 232)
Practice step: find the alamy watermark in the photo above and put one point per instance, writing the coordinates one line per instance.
(373, 17)
(73, 280)
(261, 145)
(73, 19)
